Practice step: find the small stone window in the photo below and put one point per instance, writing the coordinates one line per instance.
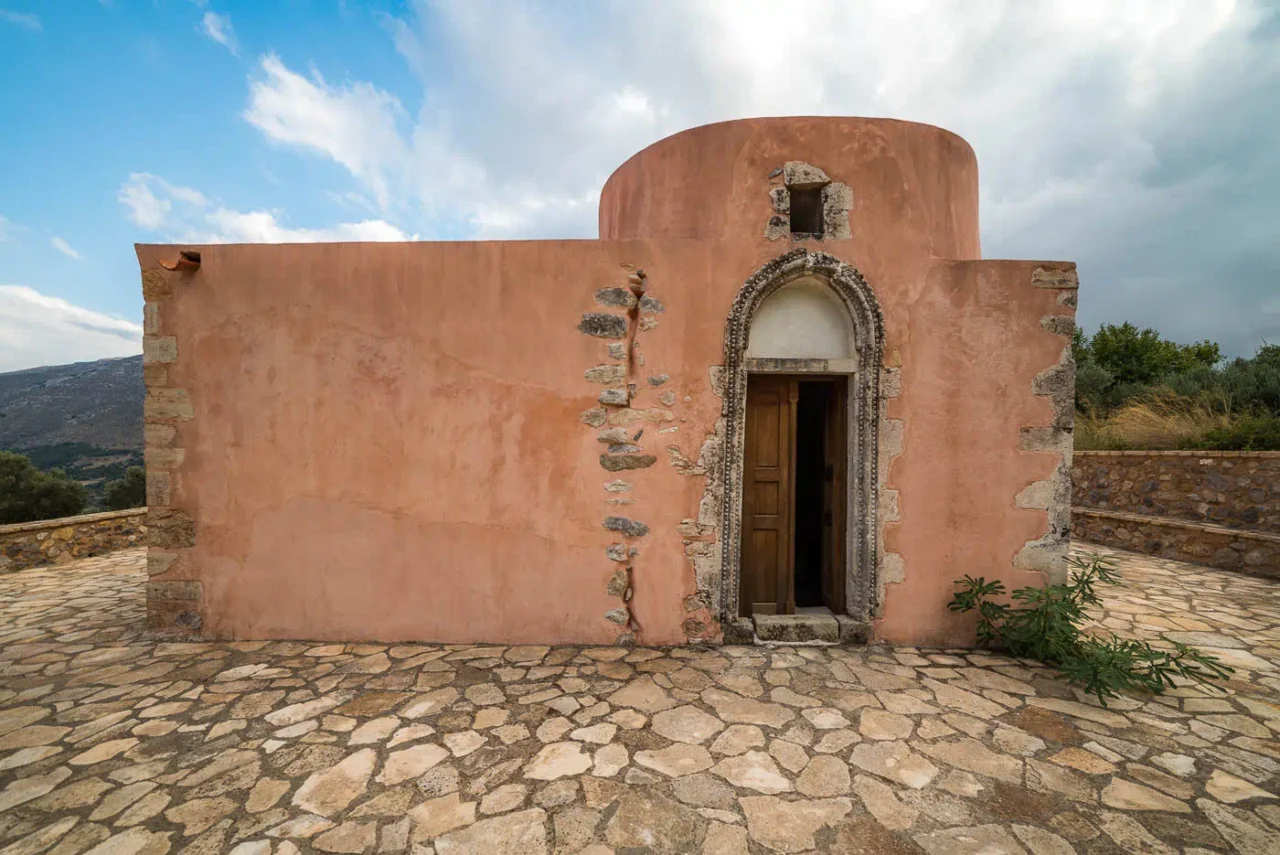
(806, 212)
(807, 205)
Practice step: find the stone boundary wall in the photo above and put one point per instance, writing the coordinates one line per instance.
(1236, 489)
(1253, 552)
(61, 541)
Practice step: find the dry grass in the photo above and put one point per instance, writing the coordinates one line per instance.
(1155, 424)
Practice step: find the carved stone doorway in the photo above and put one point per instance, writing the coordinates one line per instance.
(796, 336)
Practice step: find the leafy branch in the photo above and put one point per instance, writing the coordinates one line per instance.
(1046, 624)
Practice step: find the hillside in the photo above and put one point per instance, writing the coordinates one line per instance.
(85, 418)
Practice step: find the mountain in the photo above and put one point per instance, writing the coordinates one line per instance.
(85, 418)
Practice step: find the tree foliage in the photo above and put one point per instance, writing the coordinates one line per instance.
(1141, 357)
(1121, 368)
(28, 494)
(1047, 624)
(129, 491)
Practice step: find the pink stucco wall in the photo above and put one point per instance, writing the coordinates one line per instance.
(384, 441)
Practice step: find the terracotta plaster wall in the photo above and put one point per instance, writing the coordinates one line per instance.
(385, 439)
(915, 186)
(970, 347)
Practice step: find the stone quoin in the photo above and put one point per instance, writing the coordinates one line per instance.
(825, 404)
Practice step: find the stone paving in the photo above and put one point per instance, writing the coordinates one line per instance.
(112, 741)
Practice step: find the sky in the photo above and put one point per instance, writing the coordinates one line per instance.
(1139, 138)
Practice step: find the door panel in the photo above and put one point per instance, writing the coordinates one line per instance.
(769, 455)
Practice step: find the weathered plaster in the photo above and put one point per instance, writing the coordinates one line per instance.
(400, 441)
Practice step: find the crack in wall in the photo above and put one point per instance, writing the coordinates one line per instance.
(615, 420)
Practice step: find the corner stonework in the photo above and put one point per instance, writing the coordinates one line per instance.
(174, 602)
(1057, 383)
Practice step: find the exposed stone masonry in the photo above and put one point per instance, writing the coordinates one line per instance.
(837, 201)
(113, 740)
(174, 601)
(890, 569)
(1254, 552)
(621, 437)
(61, 541)
(1237, 489)
(1048, 553)
(1220, 508)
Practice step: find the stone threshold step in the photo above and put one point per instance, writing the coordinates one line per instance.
(808, 629)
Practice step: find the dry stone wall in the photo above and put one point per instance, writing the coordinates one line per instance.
(1221, 509)
(61, 541)
(1237, 489)
(1253, 552)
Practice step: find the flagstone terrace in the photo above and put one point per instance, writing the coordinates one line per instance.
(116, 741)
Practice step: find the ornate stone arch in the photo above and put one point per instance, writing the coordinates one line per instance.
(864, 413)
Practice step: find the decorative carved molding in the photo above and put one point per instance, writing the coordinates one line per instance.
(863, 428)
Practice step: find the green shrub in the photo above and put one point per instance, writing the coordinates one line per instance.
(129, 491)
(1141, 357)
(1046, 624)
(1256, 433)
(1120, 365)
(27, 494)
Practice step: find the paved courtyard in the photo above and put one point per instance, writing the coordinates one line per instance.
(112, 741)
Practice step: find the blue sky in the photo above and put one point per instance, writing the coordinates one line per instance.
(1137, 137)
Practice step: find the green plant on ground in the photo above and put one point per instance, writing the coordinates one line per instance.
(1047, 624)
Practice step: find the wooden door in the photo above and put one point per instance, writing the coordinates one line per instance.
(834, 497)
(768, 569)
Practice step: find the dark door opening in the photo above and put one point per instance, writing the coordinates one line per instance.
(793, 495)
(811, 461)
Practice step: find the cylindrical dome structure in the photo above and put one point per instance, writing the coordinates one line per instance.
(913, 186)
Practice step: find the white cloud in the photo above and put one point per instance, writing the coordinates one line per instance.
(262, 227)
(1130, 137)
(65, 248)
(185, 215)
(36, 329)
(149, 210)
(218, 27)
(26, 20)
(356, 124)
(144, 208)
